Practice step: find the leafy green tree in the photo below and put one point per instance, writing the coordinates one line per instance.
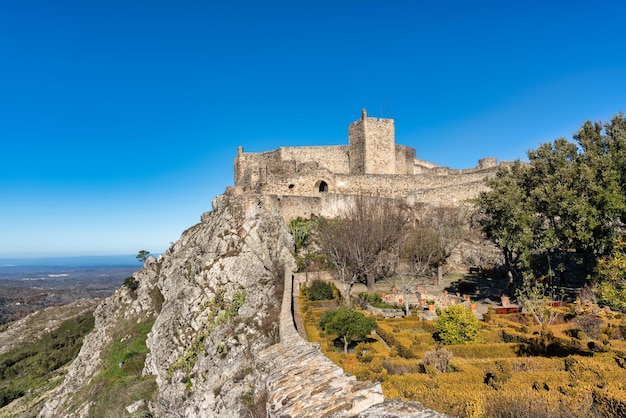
(610, 286)
(551, 187)
(142, 255)
(508, 219)
(569, 199)
(347, 324)
(602, 178)
(457, 325)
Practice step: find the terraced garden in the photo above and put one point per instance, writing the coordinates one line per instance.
(575, 367)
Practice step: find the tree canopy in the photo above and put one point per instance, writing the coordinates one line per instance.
(568, 201)
(347, 324)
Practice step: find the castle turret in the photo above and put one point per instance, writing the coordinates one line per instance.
(372, 145)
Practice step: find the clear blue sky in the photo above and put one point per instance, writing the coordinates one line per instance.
(120, 120)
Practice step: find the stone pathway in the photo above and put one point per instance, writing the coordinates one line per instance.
(302, 382)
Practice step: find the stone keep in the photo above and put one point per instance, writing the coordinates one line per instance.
(372, 146)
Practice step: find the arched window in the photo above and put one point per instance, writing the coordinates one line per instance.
(323, 187)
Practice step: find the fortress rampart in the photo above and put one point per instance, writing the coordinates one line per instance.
(301, 181)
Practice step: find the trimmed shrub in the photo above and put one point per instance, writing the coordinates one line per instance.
(609, 402)
(400, 366)
(457, 325)
(498, 374)
(321, 290)
(396, 346)
(364, 352)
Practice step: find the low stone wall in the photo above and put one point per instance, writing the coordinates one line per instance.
(302, 382)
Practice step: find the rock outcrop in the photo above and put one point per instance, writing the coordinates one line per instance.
(215, 348)
(214, 298)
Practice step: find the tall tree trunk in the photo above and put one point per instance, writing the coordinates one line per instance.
(439, 275)
(345, 344)
(406, 304)
(370, 282)
(347, 289)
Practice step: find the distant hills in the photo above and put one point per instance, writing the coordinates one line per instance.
(78, 261)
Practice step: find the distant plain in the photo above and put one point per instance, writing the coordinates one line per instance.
(31, 284)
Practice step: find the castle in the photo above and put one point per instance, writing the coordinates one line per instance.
(321, 180)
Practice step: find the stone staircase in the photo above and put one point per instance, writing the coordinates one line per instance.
(302, 382)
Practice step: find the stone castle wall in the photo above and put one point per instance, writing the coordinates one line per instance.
(372, 146)
(320, 180)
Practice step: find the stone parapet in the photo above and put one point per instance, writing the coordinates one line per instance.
(302, 382)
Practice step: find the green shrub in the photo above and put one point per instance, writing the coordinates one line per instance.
(348, 325)
(321, 290)
(131, 283)
(457, 325)
(374, 299)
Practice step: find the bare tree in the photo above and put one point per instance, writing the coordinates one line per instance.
(451, 225)
(426, 246)
(335, 242)
(421, 250)
(354, 242)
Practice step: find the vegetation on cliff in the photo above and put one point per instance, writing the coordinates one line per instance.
(36, 366)
(119, 381)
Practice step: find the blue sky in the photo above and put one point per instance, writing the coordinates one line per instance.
(120, 120)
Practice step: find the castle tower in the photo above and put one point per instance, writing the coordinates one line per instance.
(372, 145)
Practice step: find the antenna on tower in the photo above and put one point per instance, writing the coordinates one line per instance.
(388, 107)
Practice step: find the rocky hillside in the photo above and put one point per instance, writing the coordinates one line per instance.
(183, 338)
(204, 331)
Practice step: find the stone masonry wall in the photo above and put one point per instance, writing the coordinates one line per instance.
(301, 181)
(301, 184)
(372, 146)
(405, 159)
(332, 157)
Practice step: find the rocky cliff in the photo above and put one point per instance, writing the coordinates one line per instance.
(196, 334)
(213, 303)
